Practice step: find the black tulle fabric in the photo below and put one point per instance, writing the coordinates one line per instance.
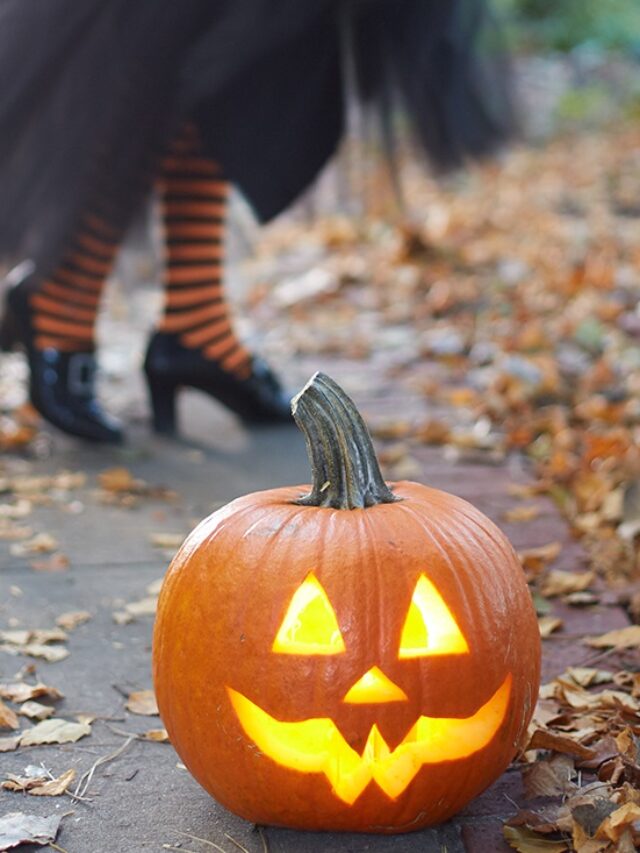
(91, 91)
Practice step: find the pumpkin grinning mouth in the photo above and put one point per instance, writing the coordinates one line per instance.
(316, 745)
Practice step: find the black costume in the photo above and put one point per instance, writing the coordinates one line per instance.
(91, 91)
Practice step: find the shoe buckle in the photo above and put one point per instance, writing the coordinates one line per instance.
(80, 374)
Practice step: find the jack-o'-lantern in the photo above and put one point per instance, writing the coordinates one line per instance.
(363, 657)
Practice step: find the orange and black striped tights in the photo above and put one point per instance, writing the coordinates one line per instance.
(193, 195)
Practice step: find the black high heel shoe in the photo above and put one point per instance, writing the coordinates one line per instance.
(61, 384)
(169, 365)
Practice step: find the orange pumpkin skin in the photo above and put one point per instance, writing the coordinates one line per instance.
(223, 602)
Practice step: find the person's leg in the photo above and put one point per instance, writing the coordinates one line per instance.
(196, 344)
(65, 305)
(194, 196)
(54, 319)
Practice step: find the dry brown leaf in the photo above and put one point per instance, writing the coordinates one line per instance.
(621, 638)
(142, 702)
(568, 692)
(8, 744)
(392, 430)
(623, 818)
(549, 778)
(118, 480)
(42, 543)
(558, 582)
(18, 828)
(8, 718)
(548, 624)
(52, 654)
(534, 560)
(582, 599)
(40, 636)
(587, 676)
(55, 563)
(526, 841)
(72, 619)
(40, 786)
(35, 711)
(433, 432)
(522, 513)
(545, 739)
(20, 509)
(20, 692)
(55, 730)
(588, 817)
(157, 735)
(144, 607)
(14, 532)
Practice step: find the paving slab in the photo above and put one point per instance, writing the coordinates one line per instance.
(144, 799)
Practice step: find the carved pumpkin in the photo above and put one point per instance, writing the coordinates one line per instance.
(363, 658)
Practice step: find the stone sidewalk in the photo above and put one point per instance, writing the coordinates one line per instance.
(144, 799)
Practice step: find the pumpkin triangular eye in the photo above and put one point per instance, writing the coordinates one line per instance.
(310, 626)
(430, 628)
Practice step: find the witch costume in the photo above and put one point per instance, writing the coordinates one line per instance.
(102, 100)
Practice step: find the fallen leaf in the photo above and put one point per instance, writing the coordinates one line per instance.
(55, 563)
(619, 820)
(144, 607)
(581, 599)
(548, 624)
(35, 711)
(19, 828)
(40, 786)
(23, 637)
(118, 480)
(14, 532)
(549, 778)
(142, 702)
(558, 582)
(20, 692)
(545, 739)
(586, 676)
(522, 513)
(534, 560)
(621, 638)
(432, 432)
(20, 509)
(8, 744)
(158, 735)
(55, 730)
(526, 841)
(52, 654)
(589, 816)
(8, 718)
(42, 543)
(73, 619)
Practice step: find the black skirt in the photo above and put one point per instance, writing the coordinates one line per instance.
(91, 92)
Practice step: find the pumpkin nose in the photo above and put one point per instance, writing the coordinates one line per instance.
(374, 686)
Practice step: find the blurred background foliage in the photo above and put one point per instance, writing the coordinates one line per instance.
(569, 25)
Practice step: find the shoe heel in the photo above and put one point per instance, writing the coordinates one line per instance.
(9, 335)
(163, 406)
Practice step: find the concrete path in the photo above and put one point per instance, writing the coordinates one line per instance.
(144, 799)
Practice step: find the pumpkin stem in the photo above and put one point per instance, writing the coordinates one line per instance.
(346, 474)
